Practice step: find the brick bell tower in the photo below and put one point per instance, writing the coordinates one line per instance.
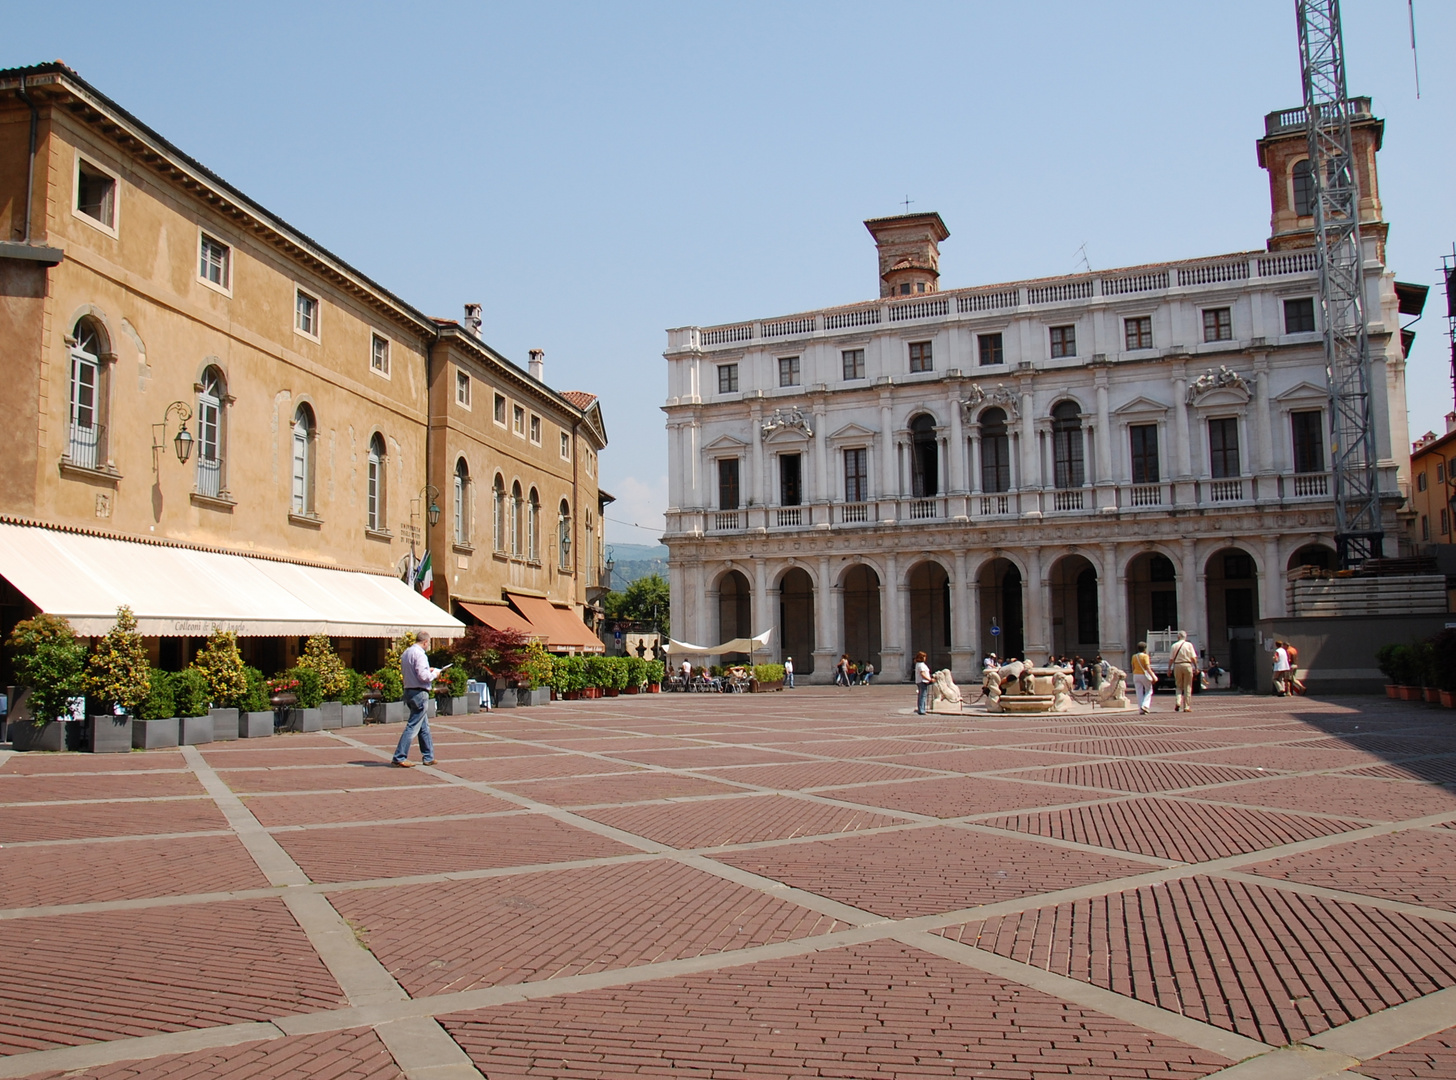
(1284, 153)
(909, 247)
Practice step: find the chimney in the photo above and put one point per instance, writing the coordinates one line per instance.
(909, 246)
(1450, 422)
(538, 365)
(472, 319)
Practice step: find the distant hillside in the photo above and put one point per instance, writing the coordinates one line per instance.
(634, 561)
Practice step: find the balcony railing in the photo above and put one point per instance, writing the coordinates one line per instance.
(995, 505)
(854, 513)
(923, 509)
(1311, 485)
(1225, 490)
(1067, 500)
(84, 445)
(726, 521)
(789, 517)
(1145, 495)
(209, 477)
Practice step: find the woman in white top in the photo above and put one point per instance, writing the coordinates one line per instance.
(922, 683)
(1281, 668)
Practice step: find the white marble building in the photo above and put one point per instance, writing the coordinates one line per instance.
(1056, 465)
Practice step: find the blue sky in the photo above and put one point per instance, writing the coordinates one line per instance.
(593, 174)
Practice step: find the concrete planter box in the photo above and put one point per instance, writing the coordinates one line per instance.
(255, 725)
(504, 697)
(225, 724)
(757, 687)
(333, 715)
(388, 712)
(539, 696)
(53, 735)
(194, 730)
(152, 734)
(452, 706)
(1433, 695)
(304, 720)
(351, 715)
(109, 734)
(432, 708)
(472, 702)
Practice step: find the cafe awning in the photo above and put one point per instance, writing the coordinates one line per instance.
(749, 645)
(503, 617)
(564, 631)
(186, 592)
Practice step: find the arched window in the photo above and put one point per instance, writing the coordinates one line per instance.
(1067, 463)
(462, 502)
(376, 510)
(995, 452)
(925, 457)
(516, 519)
(533, 527)
(86, 445)
(499, 492)
(211, 396)
(1303, 176)
(304, 431)
(563, 536)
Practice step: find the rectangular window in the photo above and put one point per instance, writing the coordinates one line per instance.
(215, 262)
(728, 483)
(1064, 341)
(518, 420)
(379, 354)
(500, 409)
(921, 358)
(1223, 448)
(1425, 527)
(788, 371)
(1218, 324)
(462, 388)
(856, 475)
(565, 446)
(306, 314)
(1421, 481)
(1309, 441)
(1138, 333)
(96, 194)
(727, 378)
(535, 429)
(1145, 466)
(1299, 316)
(1445, 521)
(991, 349)
(791, 490)
(1440, 472)
(853, 363)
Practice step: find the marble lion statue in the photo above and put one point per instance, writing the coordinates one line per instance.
(991, 690)
(1112, 694)
(944, 688)
(1061, 692)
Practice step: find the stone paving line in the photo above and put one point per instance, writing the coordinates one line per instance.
(423, 1048)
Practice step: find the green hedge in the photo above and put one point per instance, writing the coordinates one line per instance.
(572, 673)
(768, 672)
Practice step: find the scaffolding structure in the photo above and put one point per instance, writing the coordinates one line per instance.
(1359, 534)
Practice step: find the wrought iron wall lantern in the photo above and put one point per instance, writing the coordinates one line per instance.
(182, 441)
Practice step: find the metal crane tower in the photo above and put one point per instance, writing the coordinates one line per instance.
(1358, 532)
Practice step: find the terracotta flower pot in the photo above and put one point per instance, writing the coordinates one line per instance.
(1390, 690)
(1448, 698)
(1409, 693)
(1432, 695)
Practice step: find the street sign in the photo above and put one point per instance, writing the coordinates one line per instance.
(995, 631)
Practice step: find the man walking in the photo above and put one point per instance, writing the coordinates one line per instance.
(414, 666)
(922, 683)
(1181, 663)
(788, 673)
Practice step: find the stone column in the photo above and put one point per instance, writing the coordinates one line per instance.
(762, 616)
(705, 616)
(1271, 582)
(957, 453)
(1030, 449)
(1111, 608)
(1192, 596)
(827, 645)
(755, 454)
(889, 458)
(1182, 463)
(1103, 438)
(674, 468)
(821, 493)
(962, 610)
(893, 640)
(692, 463)
(975, 459)
(1037, 617)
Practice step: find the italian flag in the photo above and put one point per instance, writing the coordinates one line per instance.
(425, 577)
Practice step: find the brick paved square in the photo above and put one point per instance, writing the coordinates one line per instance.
(748, 820)
(1382, 800)
(870, 1012)
(1182, 830)
(402, 850)
(92, 820)
(816, 774)
(124, 870)
(223, 758)
(540, 767)
(459, 935)
(95, 976)
(131, 785)
(389, 804)
(1284, 967)
(958, 796)
(707, 757)
(981, 759)
(1140, 774)
(1431, 1058)
(364, 772)
(637, 786)
(1286, 757)
(1417, 867)
(35, 764)
(355, 1054)
(1436, 770)
(928, 870)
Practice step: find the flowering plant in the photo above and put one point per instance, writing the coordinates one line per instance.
(283, 684)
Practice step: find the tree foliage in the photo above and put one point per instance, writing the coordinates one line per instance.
(488, 653)
(117, 671)
(644, 600)
(50, 660)
(319, 656)
(222, 668)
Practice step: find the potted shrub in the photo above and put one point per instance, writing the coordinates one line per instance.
(319, 657)
(1423, 656)
(1443, 661)
(387, 689)
(766, 677)
(493, 657)
(656, 669)
(1407, 674)
(1385, 660)
(308, 694)
(450, 691)
(117, 680)
(193, 701)
(351, 711)
(222, 668)
(51, 662)
(535, 671)
(255, 711)
(636, 674)
(155, 724)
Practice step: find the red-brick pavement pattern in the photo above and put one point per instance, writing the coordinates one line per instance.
(623, 787)
(871, 1012)
(387, 804)
(355, 1054)
(1431, 1058)
(125, 870)
(1173, 829)
(982, 759)
(85, 820)
(754, 818)
(817, 774)
(401, 850)
(928, 871)
(958, 796)
(49, 764)
(366, 774)
(135, 785)
(1137, 774)
(462, 935)
(707, 757)
(1284, 757)
(1437, 770)
(250, 757)
(1378, 800)
(1128, 747)
(1266, 963)
(543, 767)
(80, 978)
(1417, 867)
